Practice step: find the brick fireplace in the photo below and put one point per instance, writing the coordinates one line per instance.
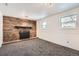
(16, 28)
(24, 31)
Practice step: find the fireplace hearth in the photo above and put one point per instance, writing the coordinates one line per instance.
(24, 34)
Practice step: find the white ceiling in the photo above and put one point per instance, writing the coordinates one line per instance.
(34, 11)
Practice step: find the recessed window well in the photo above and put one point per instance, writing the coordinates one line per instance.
(68, 21)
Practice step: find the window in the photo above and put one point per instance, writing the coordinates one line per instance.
(44, 25)
(68, 21)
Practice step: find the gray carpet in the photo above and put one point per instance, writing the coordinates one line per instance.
(36, 47)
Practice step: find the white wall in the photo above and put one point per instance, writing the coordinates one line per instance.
(54, 32)
(1, 29)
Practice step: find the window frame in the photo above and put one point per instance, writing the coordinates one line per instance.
(72, 21)
(44, 26)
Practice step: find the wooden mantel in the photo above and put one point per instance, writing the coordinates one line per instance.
(24, 27)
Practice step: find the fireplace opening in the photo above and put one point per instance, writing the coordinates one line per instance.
(24, 34)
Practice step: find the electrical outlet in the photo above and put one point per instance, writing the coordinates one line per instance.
(67, 41)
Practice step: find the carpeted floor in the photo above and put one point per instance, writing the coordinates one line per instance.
(36, 47)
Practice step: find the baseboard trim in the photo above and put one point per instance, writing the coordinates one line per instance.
(14, 41)
(59, 44)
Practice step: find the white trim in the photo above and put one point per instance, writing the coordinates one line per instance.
(0, 45)
(57, 13)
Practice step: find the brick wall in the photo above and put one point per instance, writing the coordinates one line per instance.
(11, 33)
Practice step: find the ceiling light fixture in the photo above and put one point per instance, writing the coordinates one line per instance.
(49, 4)
(6, 4)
